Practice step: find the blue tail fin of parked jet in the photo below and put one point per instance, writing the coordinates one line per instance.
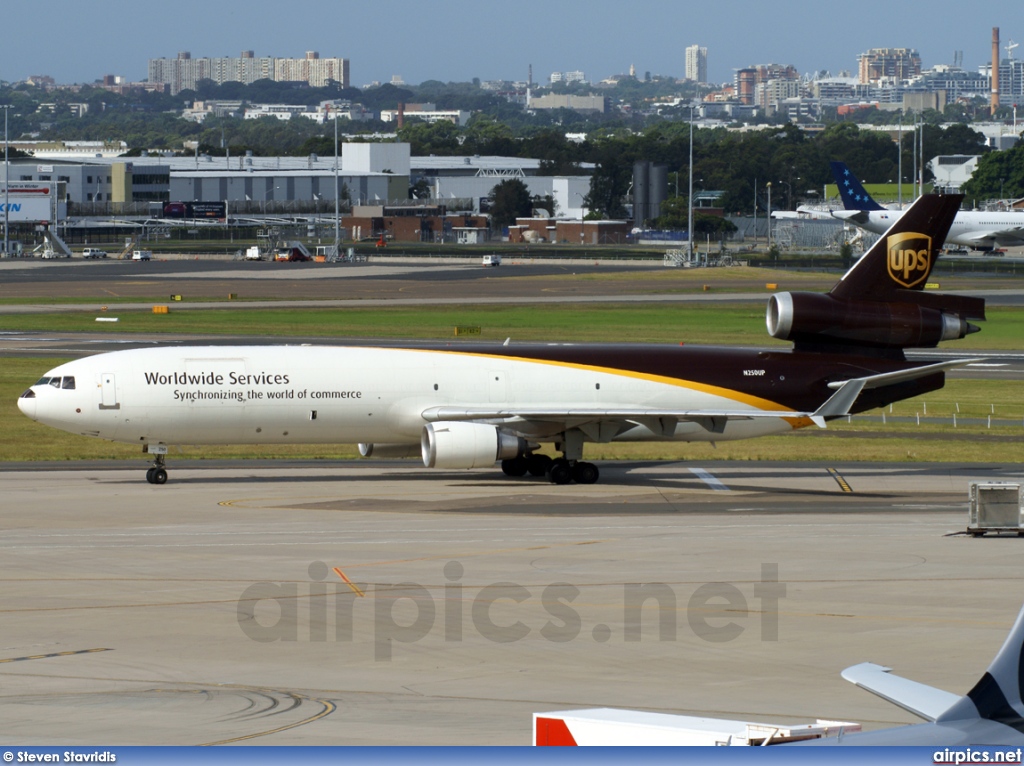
(850, 189)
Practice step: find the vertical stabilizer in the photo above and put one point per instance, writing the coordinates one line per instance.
(904, 256)
(852, 192)
(997, 696)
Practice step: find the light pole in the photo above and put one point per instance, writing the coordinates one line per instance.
(337, 213)
(583, 216)
(7, 189)
(899, 161)
(769, 215)
(689, 199)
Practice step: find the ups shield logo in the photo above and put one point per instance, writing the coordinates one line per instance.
(909, 258)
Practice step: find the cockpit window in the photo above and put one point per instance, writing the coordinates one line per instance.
(55, 382)
(68, 382)
(42, 382)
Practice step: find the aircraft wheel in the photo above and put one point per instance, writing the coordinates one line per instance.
(149, 475)
(538, 465)
(585, 473)
(560, 472)
(516, 466)
(159, 476)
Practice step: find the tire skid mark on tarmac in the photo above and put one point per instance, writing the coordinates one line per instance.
(326, 708)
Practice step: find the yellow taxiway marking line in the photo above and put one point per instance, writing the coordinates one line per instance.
(352, 585)
(840, 480)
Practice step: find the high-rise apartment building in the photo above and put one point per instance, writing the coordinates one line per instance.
(184, 72)
(748, 78)
(697, 63)
(880, 64)
(576, 76)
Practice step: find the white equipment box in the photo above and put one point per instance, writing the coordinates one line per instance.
(995, 507)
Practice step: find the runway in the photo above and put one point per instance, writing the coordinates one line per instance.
(211, 610)
(207, 284)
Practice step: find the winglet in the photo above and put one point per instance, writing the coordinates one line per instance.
(840, 402)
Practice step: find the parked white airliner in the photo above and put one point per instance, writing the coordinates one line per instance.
(468, 406)
(977, 229)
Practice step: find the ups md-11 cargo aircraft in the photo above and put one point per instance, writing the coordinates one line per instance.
(469, 406)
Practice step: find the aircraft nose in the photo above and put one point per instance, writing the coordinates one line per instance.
(27, 403)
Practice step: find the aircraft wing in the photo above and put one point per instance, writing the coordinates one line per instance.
(665, 420)
(1008, 237)
(659, 420)
(925, 702)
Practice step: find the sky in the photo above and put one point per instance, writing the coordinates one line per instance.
(75, 41)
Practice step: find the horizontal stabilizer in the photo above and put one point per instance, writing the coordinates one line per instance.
(900, 376)
(925, 702)
(842, 401)
(997, 696)
(964, 306)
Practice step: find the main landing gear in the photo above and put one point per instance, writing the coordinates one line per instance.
(557, 470)
(158, 473)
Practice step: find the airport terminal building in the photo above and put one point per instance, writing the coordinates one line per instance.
(367, 174)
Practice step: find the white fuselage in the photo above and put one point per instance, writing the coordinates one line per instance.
(971, 228)
(316, 394)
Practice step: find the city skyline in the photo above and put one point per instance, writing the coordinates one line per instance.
(390, 37)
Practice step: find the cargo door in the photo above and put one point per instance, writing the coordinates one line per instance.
(108, 392)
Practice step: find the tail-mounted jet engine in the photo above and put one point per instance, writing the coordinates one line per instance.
(816, 319)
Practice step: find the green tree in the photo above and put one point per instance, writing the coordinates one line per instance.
(511, 200)
(440, 138)
(675, 214)
(999, 175)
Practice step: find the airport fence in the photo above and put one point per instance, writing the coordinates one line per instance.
(945, 414)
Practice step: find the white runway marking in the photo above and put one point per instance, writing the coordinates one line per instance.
(708, 479)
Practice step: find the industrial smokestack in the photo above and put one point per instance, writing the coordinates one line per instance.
(995, 69)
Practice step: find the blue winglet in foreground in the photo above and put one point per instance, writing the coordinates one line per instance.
(852, 192)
